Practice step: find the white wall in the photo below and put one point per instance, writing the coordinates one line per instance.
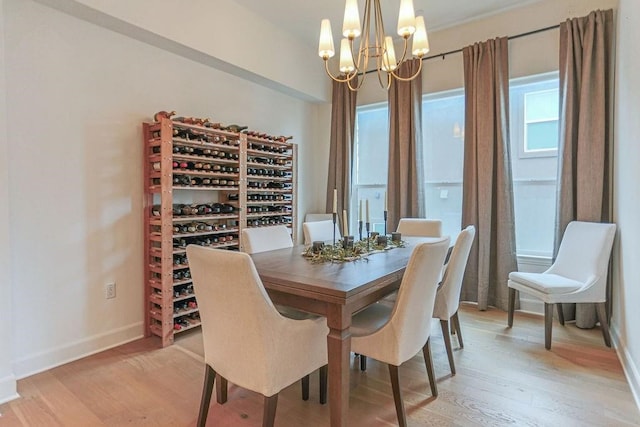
(78, 94)
(220, 33)
(626, 269)
(7, 378)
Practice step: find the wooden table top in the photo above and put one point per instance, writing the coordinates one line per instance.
(286, 269)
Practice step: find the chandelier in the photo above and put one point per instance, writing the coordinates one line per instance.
(375, 45)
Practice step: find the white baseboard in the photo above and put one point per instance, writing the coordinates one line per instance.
(8, 390)
(630, 369)
(35, 363)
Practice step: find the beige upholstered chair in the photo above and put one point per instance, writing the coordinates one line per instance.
(313, 217)
(261, 239)
(240, 325)
(320, 231)
(578, 275)
(420, 227)
(448, 295)
(395, 334)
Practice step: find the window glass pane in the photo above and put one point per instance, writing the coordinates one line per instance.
(373, 146)
(541, 105)
(542, 135)
(370, 167)
(443, 139)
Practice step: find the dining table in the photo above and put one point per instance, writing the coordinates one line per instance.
(336, 290)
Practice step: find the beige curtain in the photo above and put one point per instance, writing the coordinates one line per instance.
(585, 124)
(405, 183)
(487, 196)
(343, 118)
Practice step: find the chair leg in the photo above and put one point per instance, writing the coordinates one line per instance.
(397, 396)
(456, 324)
(428, 361)
(601, 311)
(548, 321)
(269, 413)
(221, 390)
(324, 370)
(209, 379)
(363, 362)
(305, 387)
(560, 314)
(444, 324)
(512, 306)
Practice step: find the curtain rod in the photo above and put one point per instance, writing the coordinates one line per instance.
(517, 36)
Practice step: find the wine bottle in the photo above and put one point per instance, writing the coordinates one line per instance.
(235, 128)
(163, 114)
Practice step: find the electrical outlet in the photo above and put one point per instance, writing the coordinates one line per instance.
(110, 290)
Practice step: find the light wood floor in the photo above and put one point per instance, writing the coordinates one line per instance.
(505, 378)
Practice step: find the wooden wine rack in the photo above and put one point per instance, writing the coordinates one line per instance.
(255, 177)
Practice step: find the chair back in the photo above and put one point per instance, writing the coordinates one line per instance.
(261, 239)
(313, 217)
(410, 323)
(319, 231)
(420, 227)
(241, 328)
(584, 252)
(448, 296)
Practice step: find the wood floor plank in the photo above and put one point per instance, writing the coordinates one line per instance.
(505, 377)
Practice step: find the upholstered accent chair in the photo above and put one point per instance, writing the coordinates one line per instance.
(320, 231)
(261, 239)
(448, 295)
(420, 227)
(313, 217)
(578, 275)
(394, 334)
(241, 325)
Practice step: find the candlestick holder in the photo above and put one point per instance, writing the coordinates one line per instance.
(385, 222)
(367, 228)
(334, 228)
(360, 229)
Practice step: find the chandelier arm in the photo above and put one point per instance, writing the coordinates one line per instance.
(357, 87)
(363, 50)
(348, 77)
(379, 23)
(404, 52)
(406, 79)
(387, 85)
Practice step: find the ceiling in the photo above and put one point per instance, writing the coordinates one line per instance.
(302, 18)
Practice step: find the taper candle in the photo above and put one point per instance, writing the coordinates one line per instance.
(345, 223)
(360, 212)
(368, 210)
(335, 200)
(386, 207)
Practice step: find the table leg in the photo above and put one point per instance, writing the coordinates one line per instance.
(339, 349)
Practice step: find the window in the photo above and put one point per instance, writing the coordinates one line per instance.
(443, 139)
(534, 149)
(534, 161)
(370, 166)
